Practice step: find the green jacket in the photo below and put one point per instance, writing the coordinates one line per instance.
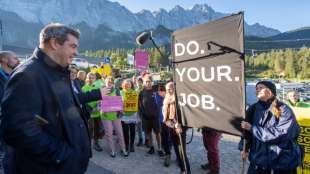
(99, 83)
(139, 89)
(95, 112)
(299, 104)
(110, 115)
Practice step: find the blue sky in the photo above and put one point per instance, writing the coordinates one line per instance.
(283, 15)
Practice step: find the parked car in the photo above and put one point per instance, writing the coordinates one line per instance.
(80, 62)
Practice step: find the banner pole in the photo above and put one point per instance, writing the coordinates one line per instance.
(243, 160)
(177, 104)
(244, 99)
(182, 151)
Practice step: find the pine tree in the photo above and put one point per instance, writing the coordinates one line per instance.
(290, 64)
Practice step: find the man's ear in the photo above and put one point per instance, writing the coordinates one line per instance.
(269, 93)
(53, 43)
(4, 60)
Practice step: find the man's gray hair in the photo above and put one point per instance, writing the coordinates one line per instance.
(4, 54)
(57, 31)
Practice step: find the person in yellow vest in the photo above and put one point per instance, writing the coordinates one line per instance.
(294, 100)
(99, 82)
(111, 121)
(95, 120)
(301, 110)
(129, 118)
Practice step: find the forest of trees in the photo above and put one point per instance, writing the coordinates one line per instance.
(119, 56)
(288, 63)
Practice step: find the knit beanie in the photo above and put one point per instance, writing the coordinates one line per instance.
(269, 85)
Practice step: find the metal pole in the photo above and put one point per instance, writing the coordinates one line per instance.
(244, 140)
(179, 135)
(161, 54)
(243, 160)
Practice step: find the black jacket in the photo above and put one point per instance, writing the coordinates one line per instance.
(3, 80)
(43, 119)
(148, 108)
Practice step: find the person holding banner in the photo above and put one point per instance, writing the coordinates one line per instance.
(172, 115)
(95, 114)
(130, 116)
(111, 121)
(273, 131)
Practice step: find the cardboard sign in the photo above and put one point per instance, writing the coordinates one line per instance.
(107, 69)
(141, 60)
(131, 101)
(303, 119)
(111, 104)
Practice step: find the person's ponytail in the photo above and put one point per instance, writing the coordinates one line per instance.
(276, 108)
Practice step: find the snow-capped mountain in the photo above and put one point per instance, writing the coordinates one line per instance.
(93, 12)
(260, 30)
(115, 16)
(103, 24)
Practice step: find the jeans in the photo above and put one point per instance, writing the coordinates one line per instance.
(211, 140)
(117, 126)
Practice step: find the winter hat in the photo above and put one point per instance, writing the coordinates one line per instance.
(269, 85)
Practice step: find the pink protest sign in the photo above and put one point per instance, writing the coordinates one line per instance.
(141, 59)
(111, 104)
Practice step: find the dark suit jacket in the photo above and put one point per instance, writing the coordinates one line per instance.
(43, 119)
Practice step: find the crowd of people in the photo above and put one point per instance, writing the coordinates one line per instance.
(51, 117)
(156, 113)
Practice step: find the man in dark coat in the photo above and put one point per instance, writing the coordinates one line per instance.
(8, 61)
(42, 115)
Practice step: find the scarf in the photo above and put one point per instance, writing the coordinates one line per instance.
(169, 107)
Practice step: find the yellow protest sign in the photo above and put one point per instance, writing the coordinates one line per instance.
(100, 71)
(303, 118)
(107, 69)
(131, 101)
(93, 70)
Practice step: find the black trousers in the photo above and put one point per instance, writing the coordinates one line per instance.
(166, 138)
(129, 131)
(95, 126)
(277, 171)
(253, 170)
(175, 139)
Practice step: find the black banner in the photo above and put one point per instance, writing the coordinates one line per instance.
(209, 74)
